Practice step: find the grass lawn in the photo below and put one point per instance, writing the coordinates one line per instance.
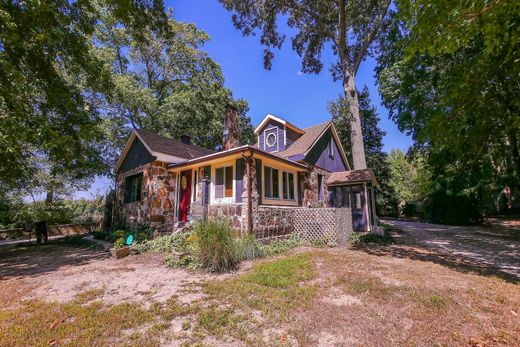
(306, 297)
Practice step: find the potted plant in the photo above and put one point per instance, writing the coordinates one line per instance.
(120, 249)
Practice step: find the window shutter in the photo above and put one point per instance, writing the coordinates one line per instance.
(258, 166)
(240, 168)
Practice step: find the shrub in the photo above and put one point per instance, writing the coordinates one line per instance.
(164, 244)
(144, 234)
(215, 247)
(119, 243)
(362, 238)
(249, 248)
(280, 246)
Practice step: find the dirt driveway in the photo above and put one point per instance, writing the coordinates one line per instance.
(491, 250)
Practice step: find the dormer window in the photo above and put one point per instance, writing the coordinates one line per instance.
(331, 147)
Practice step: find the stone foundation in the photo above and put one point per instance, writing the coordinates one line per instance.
(272, 221)
(229, 212)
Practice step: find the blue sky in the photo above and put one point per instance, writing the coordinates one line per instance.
(283, 90)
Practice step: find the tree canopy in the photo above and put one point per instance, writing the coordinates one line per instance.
(449, 76)
(165, 83)
(348, 27)
(76, 77)
(47, 70)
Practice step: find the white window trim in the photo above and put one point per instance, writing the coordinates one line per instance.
(276, 136)
(280, 200)
(331, 147)
(225, 200)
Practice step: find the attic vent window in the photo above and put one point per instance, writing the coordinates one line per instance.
(331, 147)
(271, 139)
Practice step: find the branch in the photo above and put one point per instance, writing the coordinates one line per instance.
(370, 37)
(342, 34)
(316, 17)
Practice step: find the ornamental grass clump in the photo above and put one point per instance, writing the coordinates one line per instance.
(215, 247)
(249, 248)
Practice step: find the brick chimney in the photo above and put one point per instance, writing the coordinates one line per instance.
(230, 133)
(186, 139)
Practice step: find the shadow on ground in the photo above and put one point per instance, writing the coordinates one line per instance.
(22, 260)
(481, 252)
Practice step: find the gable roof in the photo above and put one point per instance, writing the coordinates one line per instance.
(163, 148)
(166, 145)
(351, 177)
(279, 120)
(304, 143)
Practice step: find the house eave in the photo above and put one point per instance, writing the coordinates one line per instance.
(231, 152)
(279, 120)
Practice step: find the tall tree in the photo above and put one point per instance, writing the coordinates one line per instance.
(165, 83)
(47, 68)
(372, 139)
(449, 76)
(349, 27)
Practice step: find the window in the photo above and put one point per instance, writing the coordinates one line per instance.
(288, 186)
(356, 202)
(133, 188)
(271, 183)
(224, 182)
(271, 139)
(345, 197)
(331, 147)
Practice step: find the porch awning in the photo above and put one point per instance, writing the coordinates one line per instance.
(351, 177)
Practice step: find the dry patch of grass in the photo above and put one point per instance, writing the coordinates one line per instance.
(309, 297)
(403, 302)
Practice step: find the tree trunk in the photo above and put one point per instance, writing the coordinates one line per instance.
(356, 137)
(515, 153)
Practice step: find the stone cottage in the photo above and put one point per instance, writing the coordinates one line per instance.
(168, 182)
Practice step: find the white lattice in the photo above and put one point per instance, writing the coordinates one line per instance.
(330, 226)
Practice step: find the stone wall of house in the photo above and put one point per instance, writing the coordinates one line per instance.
(273, 221)
(311, 192)
(157, 203)
(229, 212)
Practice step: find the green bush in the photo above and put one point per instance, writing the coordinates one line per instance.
(280, 246)
(163, 244)
(249, 248)
(215, 247)
(362, 238)
(143, 234)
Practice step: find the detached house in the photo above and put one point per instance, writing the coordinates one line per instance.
(164, 181)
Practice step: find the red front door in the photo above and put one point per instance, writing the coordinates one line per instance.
(184, 209)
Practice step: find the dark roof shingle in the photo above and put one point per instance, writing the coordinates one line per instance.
(353, 176)
(304, 142)
(177, 148)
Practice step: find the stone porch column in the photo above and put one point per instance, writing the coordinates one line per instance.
(254, 195)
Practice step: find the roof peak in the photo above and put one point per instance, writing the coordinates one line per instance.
(287, 124)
